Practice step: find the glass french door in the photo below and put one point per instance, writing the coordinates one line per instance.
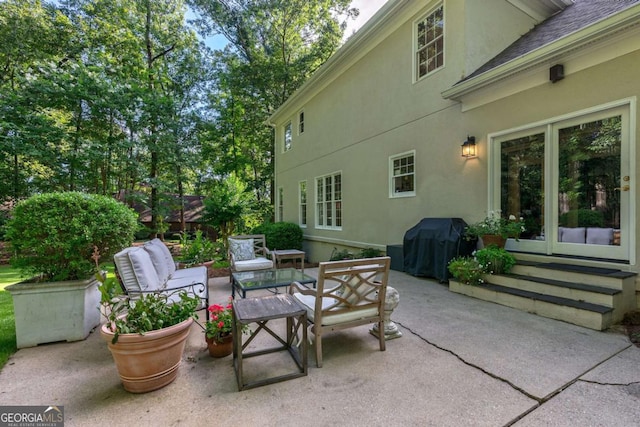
(570, 182)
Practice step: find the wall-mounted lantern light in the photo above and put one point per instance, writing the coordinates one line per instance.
(469, 147)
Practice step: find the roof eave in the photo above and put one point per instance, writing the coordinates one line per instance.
(590, 34)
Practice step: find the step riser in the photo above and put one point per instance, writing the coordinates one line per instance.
(572, 315)
(556, 291)
(569, 276)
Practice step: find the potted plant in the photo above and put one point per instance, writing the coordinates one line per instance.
(147, 336)
(466, 269)
(218, 330)
(495, 260)
(495, 229)
(197, 250)
(52, 237)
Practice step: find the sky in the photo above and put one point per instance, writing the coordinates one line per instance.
(367, 9)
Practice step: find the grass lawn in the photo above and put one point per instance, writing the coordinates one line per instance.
(8, 276)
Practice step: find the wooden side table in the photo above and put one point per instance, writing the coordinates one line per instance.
(260, 311)
(294, 254)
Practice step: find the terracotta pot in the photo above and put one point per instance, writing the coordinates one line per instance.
(150, 361)
(493, 239)
(220, 348)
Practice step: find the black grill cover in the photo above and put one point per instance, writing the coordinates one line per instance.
(431, 244)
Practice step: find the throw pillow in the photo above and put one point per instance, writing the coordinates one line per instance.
(242, 249)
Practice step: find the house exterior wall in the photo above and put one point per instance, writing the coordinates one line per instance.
(374, 109)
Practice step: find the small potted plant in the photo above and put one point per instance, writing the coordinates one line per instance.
(197, 250)
(495, 260)
(147, 335)
(466, 269)
(495, 229)
(218, 330)
(52, 237)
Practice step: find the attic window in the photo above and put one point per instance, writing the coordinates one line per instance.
(429, 43)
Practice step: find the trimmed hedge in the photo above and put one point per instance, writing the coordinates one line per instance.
(53, 235)
(281, 235)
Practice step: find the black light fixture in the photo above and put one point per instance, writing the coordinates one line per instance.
(556, 73)
(469, 147)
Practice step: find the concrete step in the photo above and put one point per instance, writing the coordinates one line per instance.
(599, 295)
(584, 274)
(587, 295)
(593, 316)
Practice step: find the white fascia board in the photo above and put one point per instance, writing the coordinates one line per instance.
(540, 10)
(588, 35)
(365, 39)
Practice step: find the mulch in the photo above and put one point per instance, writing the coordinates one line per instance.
(631, 322)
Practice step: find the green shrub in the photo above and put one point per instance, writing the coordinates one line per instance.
(339, 255)
(53, 235)
(281, 235)
(466, 269)
(196, 250)
(582, 218)
(495, 260)
(370, 253)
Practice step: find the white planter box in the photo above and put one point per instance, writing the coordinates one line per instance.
(55, 311)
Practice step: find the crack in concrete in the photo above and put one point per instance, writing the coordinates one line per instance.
(539, 400)
(609, 384)
(484, 371)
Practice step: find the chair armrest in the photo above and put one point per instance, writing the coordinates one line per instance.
(300, 288)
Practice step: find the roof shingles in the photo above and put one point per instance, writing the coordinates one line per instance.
(575, 17)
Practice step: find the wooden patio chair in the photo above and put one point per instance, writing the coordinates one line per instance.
(348, 293)
(248, 252)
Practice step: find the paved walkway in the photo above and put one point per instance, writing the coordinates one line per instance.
(461, 362)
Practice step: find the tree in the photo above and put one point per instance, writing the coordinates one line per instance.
(275, 45)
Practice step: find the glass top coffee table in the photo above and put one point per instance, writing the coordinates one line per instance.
(245, 281)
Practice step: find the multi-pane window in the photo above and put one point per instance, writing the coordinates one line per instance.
(402, 175)
(280, 203)
(329, 201)
(287, 137)
(301, 122)
(430, 43)
(302, 194)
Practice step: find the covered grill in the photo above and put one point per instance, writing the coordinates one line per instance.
(431, 244)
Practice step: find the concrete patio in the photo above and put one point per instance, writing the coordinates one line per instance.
(461, 362)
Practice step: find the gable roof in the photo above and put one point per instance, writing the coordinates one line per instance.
(575, 17)
(581, 24)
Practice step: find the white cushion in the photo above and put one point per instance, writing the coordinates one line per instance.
(163, 250)
(308, 301)
(242, 249)
(572, 234)
(599, 236)
(143, 269)
(158, 260)
(259, 263)
(125, 270)
(188, 276)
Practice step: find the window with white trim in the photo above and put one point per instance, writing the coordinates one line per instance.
(287, 137)
(329, 201)
(402, 175)
(280, 203)
(429, 43)
(302, 201)
(301, 123)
